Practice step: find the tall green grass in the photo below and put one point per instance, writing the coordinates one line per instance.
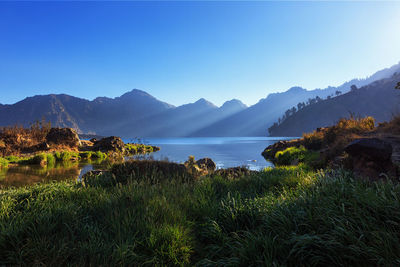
(284, 216)
(3, 163)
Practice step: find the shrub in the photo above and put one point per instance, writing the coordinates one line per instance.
(13, 159)
(51, 160)
(287, 156)
(150, 171)
(85, 154)
(39, 159)
(3, 163)
(66, 156)
(301, 155)
(131, 148)
(99, 155)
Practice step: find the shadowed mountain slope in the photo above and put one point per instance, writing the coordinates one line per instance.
(378, 99)
(255, 120)
(138, 114)
(101, 114)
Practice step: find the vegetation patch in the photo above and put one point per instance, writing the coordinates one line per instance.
(17, 139)
(279, 216)
(133, 149)
(99, 155)
(322, 145)
(63, 156)
(296, 155)
(3, 163)
(85, 155)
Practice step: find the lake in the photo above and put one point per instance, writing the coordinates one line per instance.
(224, 151)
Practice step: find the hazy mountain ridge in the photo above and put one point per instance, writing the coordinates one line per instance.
(137, 113)
(378, 99)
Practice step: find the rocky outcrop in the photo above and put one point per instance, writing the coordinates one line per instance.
(39, 147)
(371, 158)
(63, 137)
(270, 151)
(206, 164)
(111, 143)
(234, 173)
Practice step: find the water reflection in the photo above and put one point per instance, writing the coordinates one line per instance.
(20, 175)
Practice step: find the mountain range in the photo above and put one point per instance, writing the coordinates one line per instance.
(138, 114)
(379, 99)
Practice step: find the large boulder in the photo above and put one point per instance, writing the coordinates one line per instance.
(372, 148)
(206, 164)
(371, 158)
(111, 143)
(63, 137)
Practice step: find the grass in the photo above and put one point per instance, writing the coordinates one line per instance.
(134, 149)
(3, 163)
(63, 156)
(339, 135)
(282, 216)
(50, 159)
(99, 155)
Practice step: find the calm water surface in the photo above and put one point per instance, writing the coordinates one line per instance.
(225, 151)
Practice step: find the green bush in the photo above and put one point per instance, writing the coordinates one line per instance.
(51, 160)
(297, 155)
(131, 148)
(66, 156)
(85, 154)
(99, 155)
(3, 163)
(13, 159)
(39, 159)
(289, 155)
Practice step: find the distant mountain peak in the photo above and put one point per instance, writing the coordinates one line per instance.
(204, 102)
(296, 89)
(234, 103)
(136, 92)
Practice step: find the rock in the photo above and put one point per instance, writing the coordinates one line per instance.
(64, 137)
(192, 167)
(86, 145)
(156, 148)
(270, 151)
(39, 147)
(112, 143)
(370, 158)
(372, 148)
(233, 173)
(206, 164)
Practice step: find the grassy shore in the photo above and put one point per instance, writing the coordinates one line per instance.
(281, 216)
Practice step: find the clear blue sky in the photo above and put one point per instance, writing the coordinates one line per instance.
(182, 51)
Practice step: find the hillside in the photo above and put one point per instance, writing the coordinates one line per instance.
(101, 114)
(255, 120)
(138, 114)
(378, 99)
